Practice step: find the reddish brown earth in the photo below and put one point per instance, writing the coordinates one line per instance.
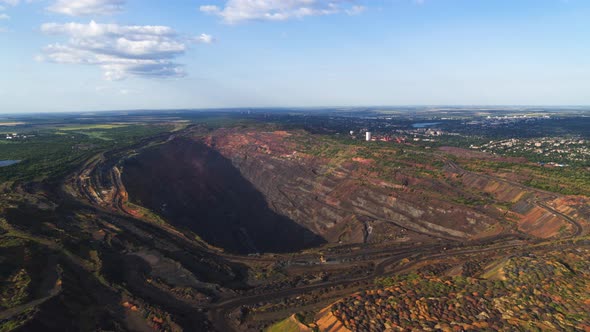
(195, 187)
(337, 199)
(536, 212)
(248, 190)
(577, 207)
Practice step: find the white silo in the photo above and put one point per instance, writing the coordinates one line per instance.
(369, 136)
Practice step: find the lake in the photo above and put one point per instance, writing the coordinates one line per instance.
(4, 163)
(425, 124)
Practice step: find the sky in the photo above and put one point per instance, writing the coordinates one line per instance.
(89, 55)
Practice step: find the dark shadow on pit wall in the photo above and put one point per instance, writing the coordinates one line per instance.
(195, 187)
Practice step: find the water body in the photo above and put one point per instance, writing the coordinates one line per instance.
(425, 124)
(4, 163)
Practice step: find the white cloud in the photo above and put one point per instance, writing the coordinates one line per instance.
(209, 9)
(120, 50)
(10, 2)
(236, 11)
(204, 38)
(86, 7)
(6, 16)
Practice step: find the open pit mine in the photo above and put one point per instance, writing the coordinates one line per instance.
(246, 229)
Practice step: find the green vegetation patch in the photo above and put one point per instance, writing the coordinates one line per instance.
(51, 154)
(93, 127)
(563, 180)
(15, 289)
(17, 321)
(287, 325)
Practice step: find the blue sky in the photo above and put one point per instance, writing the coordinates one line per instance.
(81, 55)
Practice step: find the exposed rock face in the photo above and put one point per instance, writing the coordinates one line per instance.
(333, 199)
(255, 191)
(195, 187)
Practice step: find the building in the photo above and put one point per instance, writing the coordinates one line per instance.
(369, 136)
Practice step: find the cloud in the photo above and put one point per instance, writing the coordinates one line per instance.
(209, 9)
(204, 39)
(86, 7)
(4, 16)
(120, 50)
(10, 2)
(237, 11)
